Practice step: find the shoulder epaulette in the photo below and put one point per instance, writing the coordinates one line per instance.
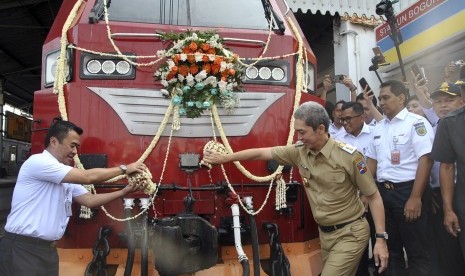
(298, 144)
(346, 147)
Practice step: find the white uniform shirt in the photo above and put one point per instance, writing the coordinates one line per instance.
(335, 132)
(409, 133)
(361, 142)
(38, 204)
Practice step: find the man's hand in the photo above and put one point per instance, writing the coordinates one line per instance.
(212, 157)
(136, 167)
(327, 82)
(368, 95)
(134, 187)
(420, 84)
(451, 222)
(381, 254)
(412, 209)
(348, 83)
(448, 71)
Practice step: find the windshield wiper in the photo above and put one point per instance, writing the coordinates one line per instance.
(269, 11)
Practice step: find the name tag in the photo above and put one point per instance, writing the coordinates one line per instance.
(69, 211)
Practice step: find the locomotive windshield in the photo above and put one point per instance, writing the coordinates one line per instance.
(245, 14)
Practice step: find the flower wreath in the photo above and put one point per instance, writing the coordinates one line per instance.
(199, 72)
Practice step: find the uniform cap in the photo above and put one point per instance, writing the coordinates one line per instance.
(448, 88)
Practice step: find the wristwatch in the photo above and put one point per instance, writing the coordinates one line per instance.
(123, 169)
(383, 235)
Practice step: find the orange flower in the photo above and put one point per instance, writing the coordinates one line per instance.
(194, 69)
(232, 72)
(205, 46)
(174, 69)
(207, 67)
(218, 60)
(193, 46)
(170, 76)
(205, 58)
(176, 59)
(215, 68)
(223, 78)
(211, 51)
(191, 58)
(186, 50)
(224, 74)
(183, 70)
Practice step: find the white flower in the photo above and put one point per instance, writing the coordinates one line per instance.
(183, 57)
(211, 80)
(201, 76)
(164, 92)
(160, 53)
(222, 85)
(157, 73)
(180, 77)
(222, 66)
(173, 80)
(198, 57)
(164, 83)
(211, 57)
(229, 86)
(170, 63)
(190, 80)
(194, 36)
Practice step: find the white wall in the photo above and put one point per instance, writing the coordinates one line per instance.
(352, 56)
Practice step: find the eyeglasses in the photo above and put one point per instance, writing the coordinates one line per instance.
(348, 119)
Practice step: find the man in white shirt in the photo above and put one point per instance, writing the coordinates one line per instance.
(398, 157)
(357, 132)
(335, 128)
(41, 204)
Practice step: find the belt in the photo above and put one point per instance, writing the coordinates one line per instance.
(331, 228)
(31, 240)
(388, 185)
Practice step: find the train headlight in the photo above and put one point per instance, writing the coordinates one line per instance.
(94, 66)
(264, 73)
(268, 72)
(123, 67)
(277, 74)
(251, 72)
(51, 63)
(106, 67)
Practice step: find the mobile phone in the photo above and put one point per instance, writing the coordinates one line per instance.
(379, 55)
(363, 83)
(338, 78)
(417, 71)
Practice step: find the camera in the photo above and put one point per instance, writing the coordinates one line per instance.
(338, 78)
(385, 8)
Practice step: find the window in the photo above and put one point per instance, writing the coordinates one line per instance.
(246, 14)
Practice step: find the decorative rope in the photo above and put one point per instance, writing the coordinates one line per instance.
(60, 82)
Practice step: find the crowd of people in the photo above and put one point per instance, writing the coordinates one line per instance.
(384, 171)
(411, 143)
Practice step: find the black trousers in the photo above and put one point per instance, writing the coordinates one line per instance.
(447, 254)
(413, 236)
(20, 258)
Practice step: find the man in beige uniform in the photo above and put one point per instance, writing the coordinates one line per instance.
(332, 173)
